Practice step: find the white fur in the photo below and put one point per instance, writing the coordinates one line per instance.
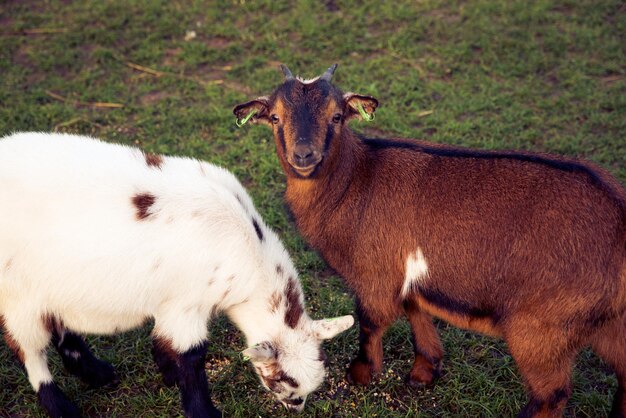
(307, 81)
(71, 246)
(38, 372)
(416, 272)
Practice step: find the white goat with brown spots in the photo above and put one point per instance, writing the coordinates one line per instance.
(98, 238)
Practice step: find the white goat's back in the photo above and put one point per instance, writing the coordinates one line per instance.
(71, 234)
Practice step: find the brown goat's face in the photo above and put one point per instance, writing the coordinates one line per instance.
(306, 118)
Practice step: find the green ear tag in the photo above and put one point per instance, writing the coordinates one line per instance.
(366, 116)
(241, 122)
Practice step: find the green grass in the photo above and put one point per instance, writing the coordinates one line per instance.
(539, 75)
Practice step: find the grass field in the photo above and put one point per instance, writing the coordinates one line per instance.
(534, 75)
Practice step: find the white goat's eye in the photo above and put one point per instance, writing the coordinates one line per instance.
(274, 118)
(337, 118)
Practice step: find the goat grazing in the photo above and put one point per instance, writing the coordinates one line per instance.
(98, 238)
(525, 246)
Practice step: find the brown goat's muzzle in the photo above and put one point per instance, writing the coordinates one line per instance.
(305, 158)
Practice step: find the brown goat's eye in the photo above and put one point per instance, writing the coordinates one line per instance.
(274, 118)
(337, 118)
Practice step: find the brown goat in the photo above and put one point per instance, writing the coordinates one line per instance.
(529, 247)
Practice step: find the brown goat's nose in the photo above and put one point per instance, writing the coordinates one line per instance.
(304, 155)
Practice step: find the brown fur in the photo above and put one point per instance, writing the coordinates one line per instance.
(293, 306)
(284, 377)
(8, 264)
(52, 324)
(143, 202)
(165, 346)
(482, 325)
(530, 247)
(154, 160)
(272, 375)
(275, 301)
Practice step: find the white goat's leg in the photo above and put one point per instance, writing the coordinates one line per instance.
(78, 359)
(165, 358)
(179, 349)
(29, 336)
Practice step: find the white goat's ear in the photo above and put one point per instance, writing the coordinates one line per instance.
(359, 106)
(254, 111)
(325, 329)
(261, 352)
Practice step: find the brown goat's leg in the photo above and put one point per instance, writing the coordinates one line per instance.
(610, 344)
(544, 358)
(369, 361)
(426, 346)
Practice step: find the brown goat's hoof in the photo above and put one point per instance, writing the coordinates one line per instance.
(359, 373)
(423, 373)
(418, 383)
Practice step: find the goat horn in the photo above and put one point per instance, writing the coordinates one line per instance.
(288, 75)
(328, 75)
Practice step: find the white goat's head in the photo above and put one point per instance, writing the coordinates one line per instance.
(292, 365)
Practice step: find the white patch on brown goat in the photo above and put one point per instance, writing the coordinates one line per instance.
(415, 273)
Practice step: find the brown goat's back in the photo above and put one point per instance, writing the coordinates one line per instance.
(530, 232)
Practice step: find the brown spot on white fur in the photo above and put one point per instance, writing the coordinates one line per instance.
(293, 307)
(279, 269)
(8, 264)
(272, 376)
(143, 202)
(153, 160)
(52, 323)
(284, 377)
(275, 301)
(165, 345)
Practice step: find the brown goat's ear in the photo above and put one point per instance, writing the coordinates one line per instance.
(260, 108)
(359, 106)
